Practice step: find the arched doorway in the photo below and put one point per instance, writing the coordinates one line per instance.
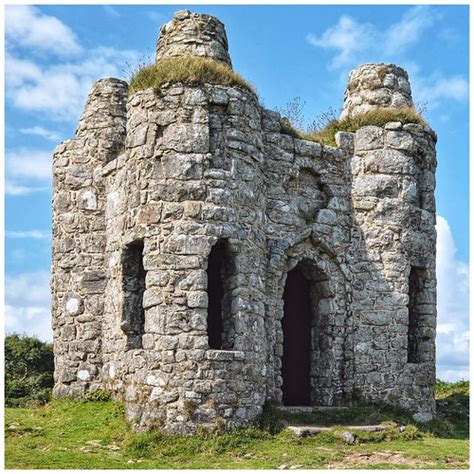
(296, 325)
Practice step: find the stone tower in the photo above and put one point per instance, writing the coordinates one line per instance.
(205, 263)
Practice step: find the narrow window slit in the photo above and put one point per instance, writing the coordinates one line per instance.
(415, 283)
(133, 287)
(218, 312)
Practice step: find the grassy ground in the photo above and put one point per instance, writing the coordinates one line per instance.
(93, 435)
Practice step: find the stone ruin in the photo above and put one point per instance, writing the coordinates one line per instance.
(205, 263)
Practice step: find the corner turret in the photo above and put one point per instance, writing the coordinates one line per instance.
(376, 85)
(192, 34)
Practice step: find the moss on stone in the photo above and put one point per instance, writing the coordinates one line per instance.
(189, 70)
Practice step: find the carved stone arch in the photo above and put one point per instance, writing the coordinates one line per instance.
(330, 328)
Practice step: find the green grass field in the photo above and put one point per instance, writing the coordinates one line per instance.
(66, 434)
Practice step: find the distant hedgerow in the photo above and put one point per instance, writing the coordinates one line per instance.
(29, 367)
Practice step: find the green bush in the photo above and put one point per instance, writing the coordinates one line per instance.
(189, 70)
(29, 366)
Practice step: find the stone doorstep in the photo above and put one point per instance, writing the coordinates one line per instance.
(309, 409)
(311, 430)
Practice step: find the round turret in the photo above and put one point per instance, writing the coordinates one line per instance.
(376, 85)
(192, 34)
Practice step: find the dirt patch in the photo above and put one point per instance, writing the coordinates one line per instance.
(383, 457)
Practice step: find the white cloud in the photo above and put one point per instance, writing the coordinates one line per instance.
(27, 171)
(60, 90)
(26, 163)
(14, 189)
(347, 37)
(355, 42)
(56, 88)
(27, 234)
(452, 342)
(438, 87)
(28, 305)
(41, 132)
(28, 27)
(409, 29)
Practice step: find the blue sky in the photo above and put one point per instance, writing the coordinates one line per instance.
(55, 52)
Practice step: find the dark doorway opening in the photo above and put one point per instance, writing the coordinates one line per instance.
(133, 286)
(217, 276)
(296, 325)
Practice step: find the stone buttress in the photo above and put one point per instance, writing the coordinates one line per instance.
(172, 196)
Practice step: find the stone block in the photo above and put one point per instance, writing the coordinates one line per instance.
(369, 138)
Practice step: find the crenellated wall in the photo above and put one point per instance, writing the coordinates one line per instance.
(152, 183)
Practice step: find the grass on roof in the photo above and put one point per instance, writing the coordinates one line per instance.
(379, 117)
(189, 70)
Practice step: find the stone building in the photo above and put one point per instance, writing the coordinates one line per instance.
(205, 263)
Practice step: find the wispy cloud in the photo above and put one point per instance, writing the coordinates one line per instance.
(405, 33)
(452, 342)
(437, 87)
(61, 89)
(58, 88)
(347, 37)
(27, 171)
(26, 163)
(41, 132)
(28, 234)
(14, 189)
(110, 10)
(27, 26)
(28, 304)
(354, 42)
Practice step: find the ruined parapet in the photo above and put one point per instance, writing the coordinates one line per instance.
(376, 85)
(79, 234)
(193, 34)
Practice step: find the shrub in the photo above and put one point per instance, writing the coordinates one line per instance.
(189, 70)
(29, 366)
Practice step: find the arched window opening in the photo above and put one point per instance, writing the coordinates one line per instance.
(133, 287)
(218, 312)
(415, 283)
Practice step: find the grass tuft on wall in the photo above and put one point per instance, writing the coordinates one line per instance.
(378, 117)
(189, 70)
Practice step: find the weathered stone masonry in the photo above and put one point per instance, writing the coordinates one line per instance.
(154, 182)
